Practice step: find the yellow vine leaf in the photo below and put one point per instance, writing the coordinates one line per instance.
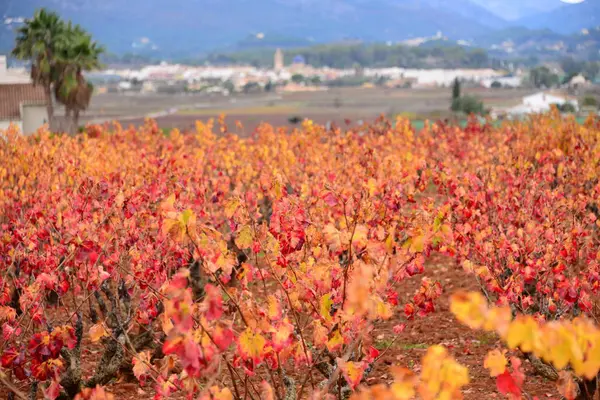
(231, 207)
(273, 308)
(353, 372)
(496, 362)
(561, 343)
(404, 384)
(469, 308)
(251, 344)
(441, 376)
(325, 307)
(335, 342)
(244, 237)
(522, 333)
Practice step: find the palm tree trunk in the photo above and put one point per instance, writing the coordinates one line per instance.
(49, 107)
(76, 122)
(68, 121)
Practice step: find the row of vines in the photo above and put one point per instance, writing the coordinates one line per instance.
(209, 266)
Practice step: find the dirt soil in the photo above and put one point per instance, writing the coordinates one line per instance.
(187, 123)
(468, 347)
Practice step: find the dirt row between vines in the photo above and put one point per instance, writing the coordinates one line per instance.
(468, 347)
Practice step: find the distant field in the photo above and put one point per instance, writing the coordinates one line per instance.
(286, 109)
(335, 105)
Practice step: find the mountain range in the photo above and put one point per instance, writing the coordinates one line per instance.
(178, 27)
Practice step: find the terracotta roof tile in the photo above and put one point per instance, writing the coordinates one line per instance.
(12, 96)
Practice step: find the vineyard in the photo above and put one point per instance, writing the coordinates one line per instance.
(304, 264)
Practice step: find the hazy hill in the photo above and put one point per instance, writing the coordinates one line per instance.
(199, 25)
(568, 18)
(542, 43)
(188, 28)
(516, 9)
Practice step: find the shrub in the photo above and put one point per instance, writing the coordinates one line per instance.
(566, 108)
(468, 105)
(590, 101)
(294, 120)
(297, 78)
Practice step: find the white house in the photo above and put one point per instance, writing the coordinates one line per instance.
(23, 105)
(577, 80)
(536, 103)
(505, 81)
(542, 102)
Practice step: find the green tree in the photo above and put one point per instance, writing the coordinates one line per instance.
(589, 101)
(456, 89)
(468, 105)
(477, 58)
(591, 70)
(297, 78)
(38, 41)
(542, 77)
(78, 54)
(571, 67)
(472, 105)
(229, 86)
(269, 86)
(251, 87)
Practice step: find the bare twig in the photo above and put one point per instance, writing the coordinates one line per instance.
(13, 388)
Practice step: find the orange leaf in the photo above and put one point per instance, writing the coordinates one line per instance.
(566, 385)
(267, 391)
(141, 364)
(283, 335)
(403, 387)
(97, 332)
(274, 309)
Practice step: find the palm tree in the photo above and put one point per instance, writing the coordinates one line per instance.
(37, 40)
(77, 54)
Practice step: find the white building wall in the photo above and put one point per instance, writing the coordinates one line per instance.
(12, 76)
(33, 118)
(5, 124)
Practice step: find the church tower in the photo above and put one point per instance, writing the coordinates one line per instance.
(278, 60)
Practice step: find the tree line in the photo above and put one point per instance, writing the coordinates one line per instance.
(543, 77)
(59, 52)
(365, 55)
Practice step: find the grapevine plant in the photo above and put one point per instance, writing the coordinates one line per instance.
(210, 266)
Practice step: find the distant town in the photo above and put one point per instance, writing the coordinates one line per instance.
(498, 93)
(298, 76)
